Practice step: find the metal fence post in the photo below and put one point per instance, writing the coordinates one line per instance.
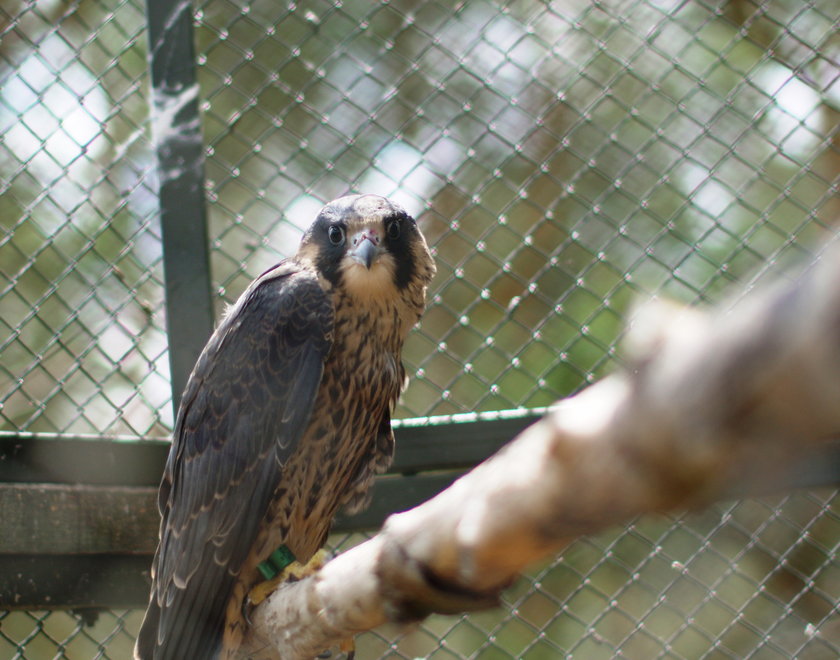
(177, 135)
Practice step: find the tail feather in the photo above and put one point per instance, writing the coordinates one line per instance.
(144, 647)
(190, 627)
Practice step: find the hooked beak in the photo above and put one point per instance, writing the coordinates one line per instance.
(365, 248)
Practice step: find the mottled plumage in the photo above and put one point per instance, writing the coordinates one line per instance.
(286, 418)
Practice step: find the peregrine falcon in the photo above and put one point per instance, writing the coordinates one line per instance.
(285, 419)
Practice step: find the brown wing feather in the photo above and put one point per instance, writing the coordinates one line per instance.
(244, 410)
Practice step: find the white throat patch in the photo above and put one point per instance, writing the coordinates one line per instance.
(374, 283)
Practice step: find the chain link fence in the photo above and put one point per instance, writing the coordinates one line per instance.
(83, 340)
(564, 159)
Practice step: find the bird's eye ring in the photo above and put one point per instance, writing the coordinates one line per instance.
(393, 229)
(336, 234)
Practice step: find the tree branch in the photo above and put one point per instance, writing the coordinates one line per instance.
(709, 400)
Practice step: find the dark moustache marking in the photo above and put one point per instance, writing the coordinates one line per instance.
(401, 248)
(329, 256)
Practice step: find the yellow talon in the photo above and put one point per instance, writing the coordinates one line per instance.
(293, 572)
(348, 646)
(259, 592)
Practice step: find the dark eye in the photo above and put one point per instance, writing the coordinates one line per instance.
(393, 230)
(335, 234)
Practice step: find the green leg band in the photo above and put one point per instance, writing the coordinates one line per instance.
(276, 562)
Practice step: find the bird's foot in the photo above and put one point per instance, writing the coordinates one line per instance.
(347, 647)
(291, 573)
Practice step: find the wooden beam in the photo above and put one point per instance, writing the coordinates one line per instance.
(33, 582)
(91, 546)
(53, 519)
(57, 519)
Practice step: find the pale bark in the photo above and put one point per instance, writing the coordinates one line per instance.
(710, 402)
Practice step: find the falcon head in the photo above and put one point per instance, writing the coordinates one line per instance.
(369, 247)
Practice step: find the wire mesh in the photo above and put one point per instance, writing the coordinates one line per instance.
(563, 159)
(83, 340)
